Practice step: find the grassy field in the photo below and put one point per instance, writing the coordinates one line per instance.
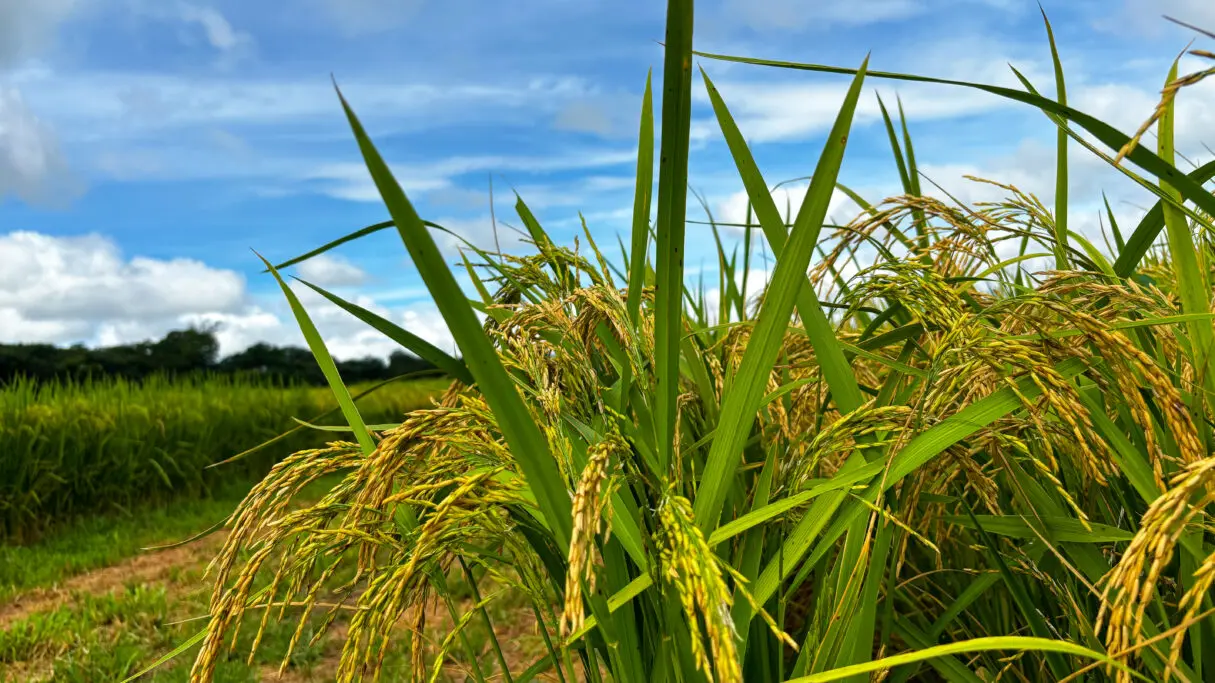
(98, 596)
(71, 449)
(89, 605)
(946, 442)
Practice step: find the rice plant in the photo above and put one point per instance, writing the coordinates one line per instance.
(104, 446)
(909, 458)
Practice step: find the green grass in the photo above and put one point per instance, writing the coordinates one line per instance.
(104, 447)
(103, 540)
(96, 636)
(943, 466)
(110, 636)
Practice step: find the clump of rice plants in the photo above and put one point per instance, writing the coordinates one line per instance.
(939, 467)
(98, 446)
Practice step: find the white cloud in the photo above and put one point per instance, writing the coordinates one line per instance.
(786, 110)
(325, 270)
(479, 230)
(351, 181)
(32, 167)
(756, 280)
(82, 289)
(1126, 107)
(15, 328)
(1148, 15)
(27, 27)
(428, 323)
(101, 101)
(215, 26)
(606, 115)
(87, 278)
(788, 198)
(195, 21)
(584, 116)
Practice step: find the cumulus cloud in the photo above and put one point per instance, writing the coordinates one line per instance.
(32, 167)
(605, 115)
(87, 278)
(787, 110)
(325, 270)
(583, 116)
(351, 181)
(83, 289)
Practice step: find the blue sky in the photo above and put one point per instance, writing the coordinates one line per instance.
(146, 146)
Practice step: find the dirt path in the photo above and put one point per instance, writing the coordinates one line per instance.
(517, 627)
(147, 567)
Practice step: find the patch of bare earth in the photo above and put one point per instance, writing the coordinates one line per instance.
(518, 636)
(146, 568)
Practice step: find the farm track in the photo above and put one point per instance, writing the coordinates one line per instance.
(178, 571)
(149, 568)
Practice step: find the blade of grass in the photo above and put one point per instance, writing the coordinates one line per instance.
(325, 361)
(1059, 529)
(747, 387)
(995, 643)
(526, 443)
(672, 206)
(920, 450)
(1103, 132)
(415, 344)
(641, 202)
(1061, 180)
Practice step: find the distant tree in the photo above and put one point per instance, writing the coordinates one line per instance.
(401, 363)
(189, 351)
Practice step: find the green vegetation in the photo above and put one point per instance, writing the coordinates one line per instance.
(98, 541)
(915, 456)
(74, 448)
(70, 624)
(190, 352)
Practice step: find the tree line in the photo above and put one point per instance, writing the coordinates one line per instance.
(186, 352)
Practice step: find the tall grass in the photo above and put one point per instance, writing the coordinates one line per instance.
(909, 455)
(73, 448)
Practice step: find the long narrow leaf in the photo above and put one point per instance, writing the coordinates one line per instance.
(672, 205)
(746, 389)
(415, 344)
(527, 444)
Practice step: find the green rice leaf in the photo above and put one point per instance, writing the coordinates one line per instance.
(641, 202)
(1105, 133)
(672, 205)
(919, 451)
(1060, 529)
(325, 361)
(747, 387)
(1061, 180)
(522, 435)
(412, 342)
(1000, 643)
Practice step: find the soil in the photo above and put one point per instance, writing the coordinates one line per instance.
(149, 567)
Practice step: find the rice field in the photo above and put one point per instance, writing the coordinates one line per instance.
(945, 442)
(113, 446)
(914, 456)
